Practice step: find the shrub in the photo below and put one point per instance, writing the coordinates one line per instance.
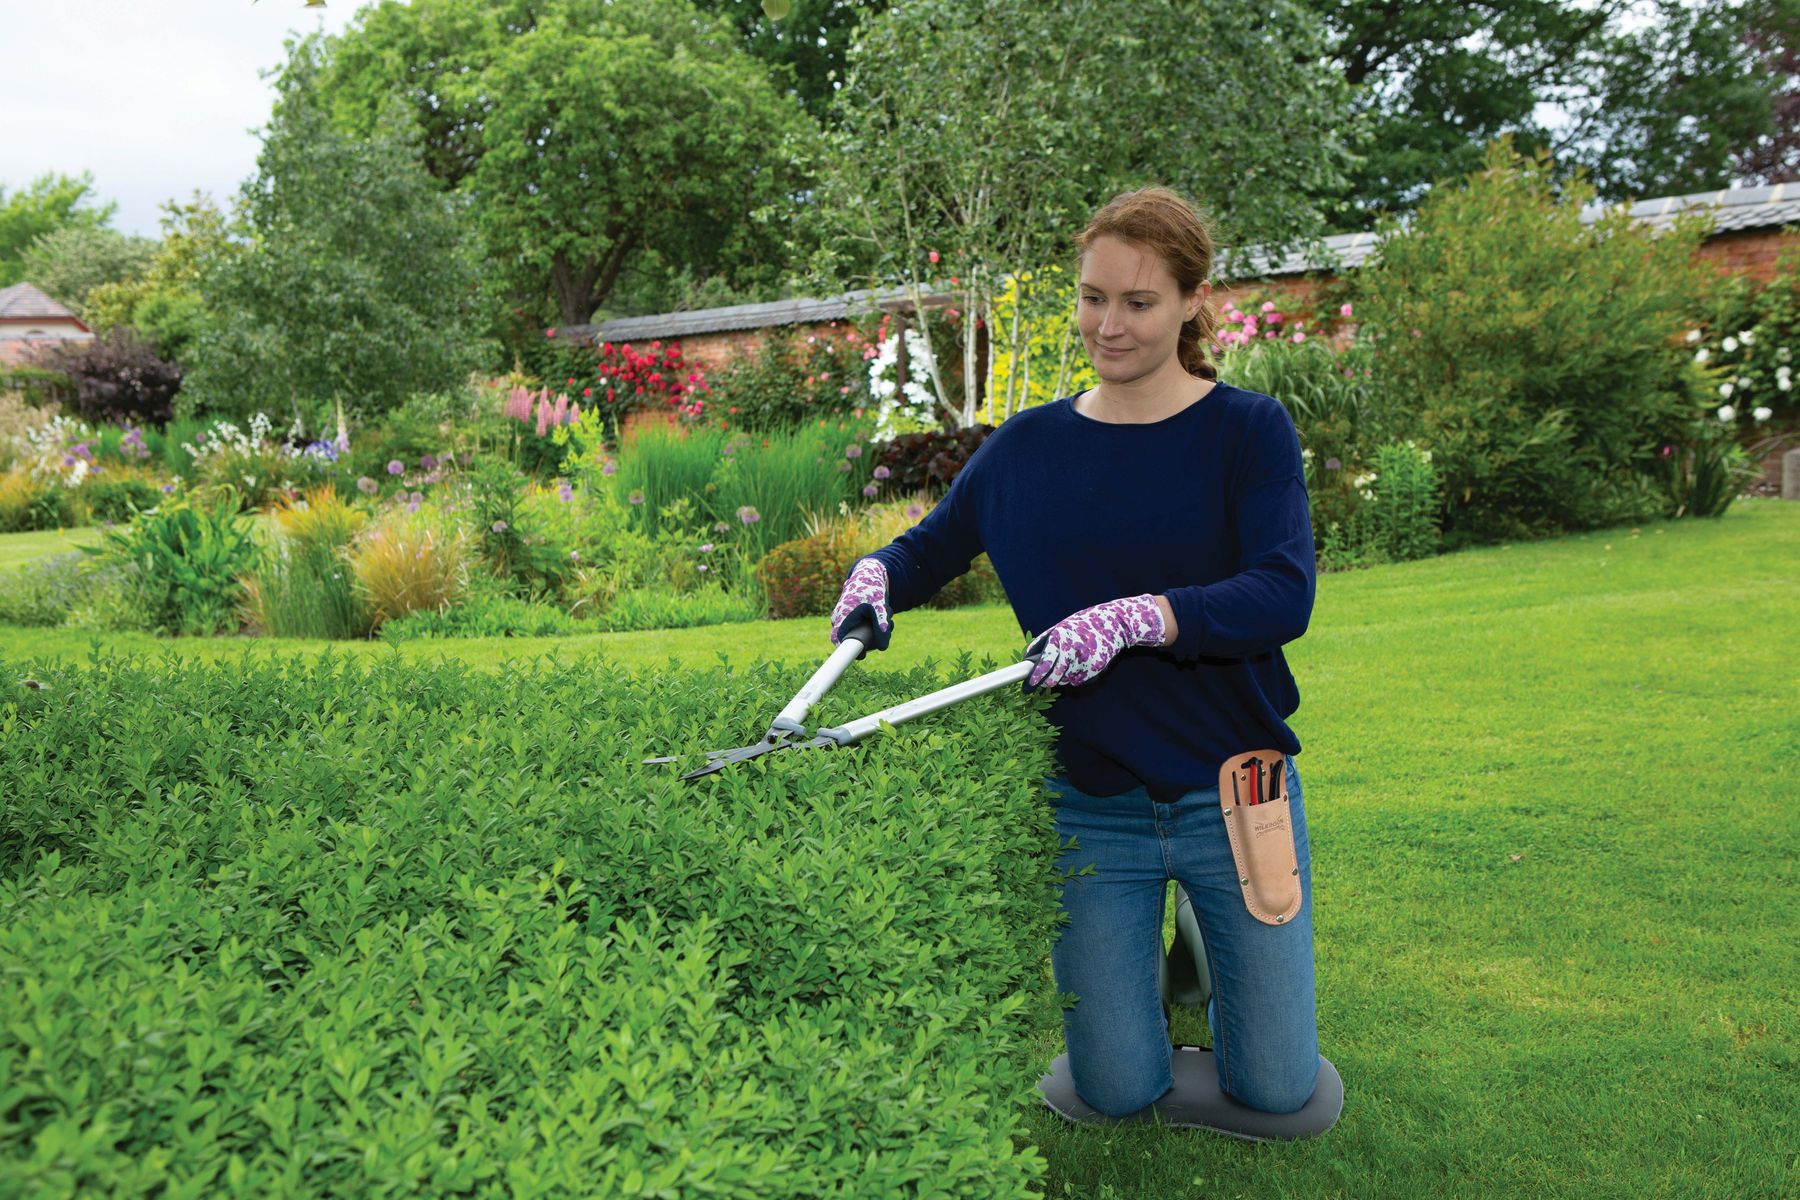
(928, 461)
(1051, 365)
(114, 377)
(358, 278)
(305, 587)
(18, 420)
(1704, 473)
(1396, 518)
(437, 931)
(29, 502)
(191, 552)
(805, 577)
(35, 385)
(660, 608)
(1748, 341)
(260, 467)
(482, 616)
(117, 492)
(763, 488)
(524, 532)
(530, 416)
(1534, 354)
(793, 378)
(404, 563)
(45, 591)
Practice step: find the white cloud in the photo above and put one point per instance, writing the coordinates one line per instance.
(155, 97)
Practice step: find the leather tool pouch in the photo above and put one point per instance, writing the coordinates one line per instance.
(1253, 794)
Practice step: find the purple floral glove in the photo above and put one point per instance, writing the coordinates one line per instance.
(1079, 647)
(866, 588)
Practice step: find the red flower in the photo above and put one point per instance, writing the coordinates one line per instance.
(550, 332)
(586, 392)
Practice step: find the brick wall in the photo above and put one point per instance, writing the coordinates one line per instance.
(1751, 252)
(716, 351)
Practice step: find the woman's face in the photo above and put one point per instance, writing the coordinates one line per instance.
(1129, 300)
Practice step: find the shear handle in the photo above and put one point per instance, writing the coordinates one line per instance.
(849, 648)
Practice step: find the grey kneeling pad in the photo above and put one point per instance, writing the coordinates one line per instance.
(1195, 1102)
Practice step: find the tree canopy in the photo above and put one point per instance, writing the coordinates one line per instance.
(1660, 98)
(594, 139)
(354, 281)
(45, 205)
(987, 134)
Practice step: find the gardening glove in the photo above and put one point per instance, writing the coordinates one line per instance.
(1079, 647)
(865, 595)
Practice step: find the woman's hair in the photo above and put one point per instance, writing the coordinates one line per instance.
(1160, 221)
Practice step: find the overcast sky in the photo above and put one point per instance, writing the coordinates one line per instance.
(154, 97)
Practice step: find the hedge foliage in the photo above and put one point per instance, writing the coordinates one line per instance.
(313, 928)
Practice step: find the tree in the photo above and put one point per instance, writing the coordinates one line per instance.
(807, 51)
(356, 282)
(164, 303)
(600, 145)
(49, 203)
(986, 134)
(1659, 108)
(70, 262)
(597, 142)
(1774, 38)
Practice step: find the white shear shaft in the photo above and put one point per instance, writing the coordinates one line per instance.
(828, 674)
(862, 727)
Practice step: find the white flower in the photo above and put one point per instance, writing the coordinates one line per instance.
(1727, 413)
(1784, 383)
(1426, 455)
(1693, 336)
(1746, 336)
(1702, 355)
(1762, 412)
(1725, 390)
(1730, 344)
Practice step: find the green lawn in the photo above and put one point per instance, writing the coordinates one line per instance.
(17, 548)
(1554, 799)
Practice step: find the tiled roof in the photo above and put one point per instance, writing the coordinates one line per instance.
(1735, 209)
(22, 302)
(746, 316)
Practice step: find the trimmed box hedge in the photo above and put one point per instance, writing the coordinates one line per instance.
(308, 928)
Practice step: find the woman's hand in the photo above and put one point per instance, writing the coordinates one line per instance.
(1079, 647)
(865, 593)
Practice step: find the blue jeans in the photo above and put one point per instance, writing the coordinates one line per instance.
(1262, 1013)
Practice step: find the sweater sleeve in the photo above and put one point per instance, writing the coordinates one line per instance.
(941, 546)
(1268, 601)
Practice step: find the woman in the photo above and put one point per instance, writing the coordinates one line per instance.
(1155, 528)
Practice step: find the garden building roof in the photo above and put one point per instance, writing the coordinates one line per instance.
(798, 311)
(23, 302)
(1735, 210)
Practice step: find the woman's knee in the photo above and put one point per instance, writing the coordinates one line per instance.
(1115, 1098)
(1278, 1091)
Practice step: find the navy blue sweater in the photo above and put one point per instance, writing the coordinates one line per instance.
(1206, 507)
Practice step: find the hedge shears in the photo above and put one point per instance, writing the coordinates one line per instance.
(787, 731)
